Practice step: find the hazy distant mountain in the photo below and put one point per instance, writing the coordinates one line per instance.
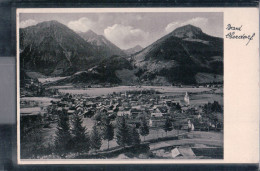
(104, 47)
(180, 56)
(133, 50)
(52, 48)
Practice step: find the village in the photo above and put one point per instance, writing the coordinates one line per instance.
(155, 107)
(150, 104)
(41, 108)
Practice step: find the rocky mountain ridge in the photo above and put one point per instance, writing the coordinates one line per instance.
(184, 56)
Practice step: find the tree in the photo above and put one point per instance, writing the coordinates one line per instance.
(135, 137)
(211, 112)
(97, 116)
(108, 131)
(81, 138)
(178, 107)
(63, 137)
(33, 145)
(216, 107)
(122, 134)
(167, 126)
(144, 128)
(95, 138)
(212, 107)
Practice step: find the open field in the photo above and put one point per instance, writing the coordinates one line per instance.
(42, 101)
(198, 96)
(50, 79)
(105, 91)
(195, 139)
(203, 98)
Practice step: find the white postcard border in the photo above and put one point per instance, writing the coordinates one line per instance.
(241, 84)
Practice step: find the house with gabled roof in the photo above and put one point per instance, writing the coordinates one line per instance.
(156, 122)
(135, 112)
(122, 113)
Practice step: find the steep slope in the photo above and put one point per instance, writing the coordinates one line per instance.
(133, 50)
(51, 48)
(104, 72)
(186, 56)
(180, 55)
(103, 46)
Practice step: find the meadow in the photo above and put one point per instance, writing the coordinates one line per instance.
(109, 90)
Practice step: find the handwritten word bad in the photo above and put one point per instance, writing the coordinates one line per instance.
(235, 35)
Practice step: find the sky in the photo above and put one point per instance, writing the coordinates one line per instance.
(127, 30)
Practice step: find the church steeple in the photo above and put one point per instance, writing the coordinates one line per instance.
(187, 98)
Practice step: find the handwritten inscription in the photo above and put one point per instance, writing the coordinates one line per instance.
(229, 27)
(235, 33)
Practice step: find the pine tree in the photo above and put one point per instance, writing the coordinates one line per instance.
(108, 131)
(95, 138)
(122, 134)
(144, 128)
(81, 138)
(36, 140)
(63, 136)
(167, 126)
(97, 116)
(135, 137)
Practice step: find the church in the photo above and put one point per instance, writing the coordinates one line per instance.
(187, 98)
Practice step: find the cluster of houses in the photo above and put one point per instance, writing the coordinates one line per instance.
(155, 107)
(34, 88)
(132, 104)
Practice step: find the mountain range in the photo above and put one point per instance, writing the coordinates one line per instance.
(103, 46)
(180, 55)
(186, 56)
(133, 50)
(51, 48)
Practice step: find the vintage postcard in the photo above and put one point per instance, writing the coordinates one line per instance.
(151, 85)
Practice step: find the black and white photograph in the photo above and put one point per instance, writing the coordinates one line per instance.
(120, 85)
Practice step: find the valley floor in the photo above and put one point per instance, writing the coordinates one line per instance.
(204, 144)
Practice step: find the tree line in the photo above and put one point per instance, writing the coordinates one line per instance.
(79, 140)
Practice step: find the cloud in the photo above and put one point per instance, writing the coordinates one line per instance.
(81, 25)
(125, 36)
(27, 23)
(198, 22)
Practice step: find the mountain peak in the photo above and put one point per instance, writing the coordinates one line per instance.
(54, 46)
(49, 23)
(133, 50)
(88, 35)
(52, 22)
(90, 32)
(189, 31)
(138, 47)
(190, 26)
(105, 47)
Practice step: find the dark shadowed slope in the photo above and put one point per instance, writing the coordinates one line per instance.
(180, 55)
(186, 56)
(52, 48)
(104, 72)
